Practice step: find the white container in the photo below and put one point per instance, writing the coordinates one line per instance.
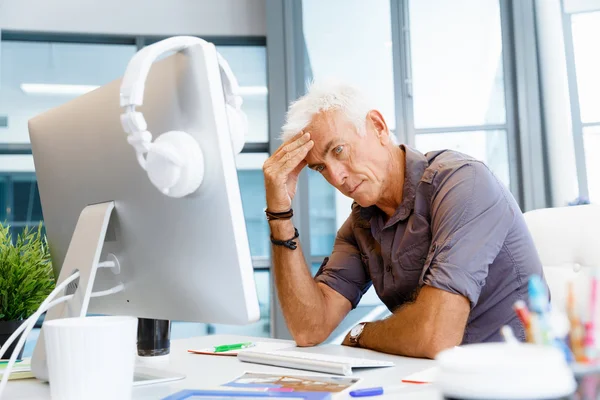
(504, 371)
(91, 358)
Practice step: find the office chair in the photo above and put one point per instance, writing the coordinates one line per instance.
(568, 242)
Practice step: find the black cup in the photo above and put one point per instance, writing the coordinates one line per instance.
(153, 337)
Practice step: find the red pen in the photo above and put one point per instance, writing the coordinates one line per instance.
(523, 313)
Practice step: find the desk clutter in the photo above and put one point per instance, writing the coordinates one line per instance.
(21, 370)
(573, 332)
(308, 387)
(259, 385)
(282, 355)
(560, 358)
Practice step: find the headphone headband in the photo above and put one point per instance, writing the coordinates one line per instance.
(134, 80)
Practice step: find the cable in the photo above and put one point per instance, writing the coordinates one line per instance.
(33, 320)
(30, 324)
(22, 327)
(107, 264)
(107, 292)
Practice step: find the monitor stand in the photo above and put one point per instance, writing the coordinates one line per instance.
(83, 255)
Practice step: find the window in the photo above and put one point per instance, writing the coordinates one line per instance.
(584, 28)
(456, 55)
(591, 143)
(249, 64)
(36, 76)
(458, 86)
(348, 40)
(487, 146)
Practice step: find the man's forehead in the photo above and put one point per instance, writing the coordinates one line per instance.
(326, 125)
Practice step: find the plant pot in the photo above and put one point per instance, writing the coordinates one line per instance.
(6, 329)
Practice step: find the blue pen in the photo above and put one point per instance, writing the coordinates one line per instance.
(377, 391)
(540, 304)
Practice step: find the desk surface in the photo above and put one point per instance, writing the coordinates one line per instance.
(210, 371)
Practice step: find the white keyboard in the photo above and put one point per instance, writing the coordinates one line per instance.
(310, 361)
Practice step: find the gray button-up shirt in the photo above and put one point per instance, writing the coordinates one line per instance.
(458, 229)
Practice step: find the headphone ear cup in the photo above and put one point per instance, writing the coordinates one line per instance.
(238, 127)
(175, 164)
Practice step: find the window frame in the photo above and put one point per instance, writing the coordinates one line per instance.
(576, 121)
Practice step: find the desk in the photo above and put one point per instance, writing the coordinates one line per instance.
(210, 371)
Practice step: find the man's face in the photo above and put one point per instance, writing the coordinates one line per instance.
(355, 165)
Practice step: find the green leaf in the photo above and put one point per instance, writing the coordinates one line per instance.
(26, 275)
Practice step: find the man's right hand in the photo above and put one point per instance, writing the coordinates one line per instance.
(282, 169)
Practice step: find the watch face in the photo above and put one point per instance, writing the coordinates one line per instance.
(356, 330)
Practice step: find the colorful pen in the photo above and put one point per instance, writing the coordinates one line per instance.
(539, 302)
(234, 346)
(523, 314)
(377, 391)
(590, 326)
(571, 302)
(508, 335)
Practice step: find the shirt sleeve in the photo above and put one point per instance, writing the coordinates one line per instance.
(471, 216)
(344, 271)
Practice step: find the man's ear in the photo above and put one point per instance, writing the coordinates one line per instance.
(379, 125)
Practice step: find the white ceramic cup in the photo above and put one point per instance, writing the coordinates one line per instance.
(504, 371)
(91, 358)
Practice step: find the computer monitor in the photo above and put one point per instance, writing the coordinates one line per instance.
(182, 259)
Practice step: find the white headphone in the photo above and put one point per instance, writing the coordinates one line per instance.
(174, 161)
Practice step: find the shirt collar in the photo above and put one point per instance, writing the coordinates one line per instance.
(415, 165)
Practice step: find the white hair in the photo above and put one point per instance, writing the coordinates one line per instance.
(324, 96)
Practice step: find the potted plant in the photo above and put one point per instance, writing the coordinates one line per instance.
(26, 278)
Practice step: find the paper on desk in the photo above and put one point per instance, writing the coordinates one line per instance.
(20, 370)
(258, 346)
(293, 383)
(426, 376)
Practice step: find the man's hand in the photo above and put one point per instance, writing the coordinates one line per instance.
(282, 169)
(434, 322)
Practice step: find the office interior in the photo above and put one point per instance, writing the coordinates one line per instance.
(511, 82)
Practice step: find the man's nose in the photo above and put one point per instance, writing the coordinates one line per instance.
(338, 176)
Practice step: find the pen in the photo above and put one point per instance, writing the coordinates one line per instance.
(377, 391)
(508, 335)
(523, 314)
(570, 302)
(539, 302)
(590, 326)
(234, 346)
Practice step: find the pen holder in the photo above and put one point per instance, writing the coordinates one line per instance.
(500, 371)
(153, 337)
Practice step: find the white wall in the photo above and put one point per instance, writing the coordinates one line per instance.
(136, 17)
(556, 103)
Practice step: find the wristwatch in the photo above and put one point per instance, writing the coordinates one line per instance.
(356, 332)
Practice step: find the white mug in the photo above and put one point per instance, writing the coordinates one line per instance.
(91, 358)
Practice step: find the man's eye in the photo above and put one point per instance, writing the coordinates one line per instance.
(339, 149)
(319, 168)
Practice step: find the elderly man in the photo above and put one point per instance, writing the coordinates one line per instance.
(442, 241)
